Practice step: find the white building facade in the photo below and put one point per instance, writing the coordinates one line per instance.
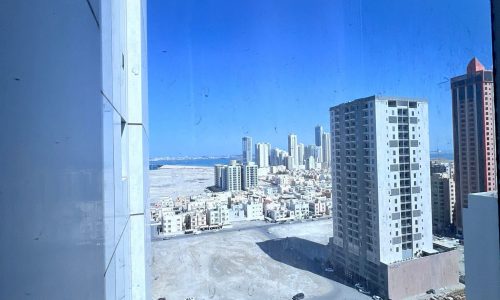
(381, 203)
(317, 208)
(293, 151)
(299, 208)
(443, 200)
(300, 154)
(254, 210)
(172, 222)
(249, 176)
(232, 177)
(326, 149)
(218, 216)
(310, 163)
(262, 152)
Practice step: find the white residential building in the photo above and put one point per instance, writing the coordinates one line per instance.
(381, 183)
(293, 150)
(249, 176)
(236, 213)
(299, 208)
(317, 208)
(233, 177)
(326, 149)
(228, 177)
(218, 216)
(300, 154)
(310, 163)
(172, 222)
(254, 210)
(196, 219)
(318, 155)
(262, 152)
(279, 214)
(289, 163)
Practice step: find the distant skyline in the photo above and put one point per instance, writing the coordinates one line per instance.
(221, 70)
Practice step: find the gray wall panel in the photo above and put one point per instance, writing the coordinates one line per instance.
(51, 191)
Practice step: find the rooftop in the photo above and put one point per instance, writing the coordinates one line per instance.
(493, 194)
(474, 66)
(379, 98)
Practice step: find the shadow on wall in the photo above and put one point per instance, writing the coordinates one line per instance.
(299, 253)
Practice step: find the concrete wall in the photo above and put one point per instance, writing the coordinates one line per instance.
(73, 187)
(416, 276)
(481, 245)
(312, 250)
(51, 184)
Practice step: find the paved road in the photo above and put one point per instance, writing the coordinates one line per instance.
(238, 226)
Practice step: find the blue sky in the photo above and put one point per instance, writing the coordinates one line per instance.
(222, 69)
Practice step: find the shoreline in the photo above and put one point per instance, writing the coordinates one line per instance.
(183, 167)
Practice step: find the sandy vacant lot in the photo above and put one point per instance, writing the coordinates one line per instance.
(175, 181)
(258, 263)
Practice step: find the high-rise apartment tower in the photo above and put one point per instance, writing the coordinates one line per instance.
(293, 150)
(318, 134)
(326, 149)
(247, 155)
(473, 134)
(262, 154)
(381, 186)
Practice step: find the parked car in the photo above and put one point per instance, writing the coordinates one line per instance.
(358, 285)
(329, 270)
(298, 296)
(375, 297)
(431, 291)
(363, 291)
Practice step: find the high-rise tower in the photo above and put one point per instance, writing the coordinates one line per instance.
(381, 182)
(293, 151)
(300, 154)
(247, 155)
(262, 153)
(473, 134)
(318, 134)
(326, 149)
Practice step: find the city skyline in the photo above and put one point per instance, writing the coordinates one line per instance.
(215, 74)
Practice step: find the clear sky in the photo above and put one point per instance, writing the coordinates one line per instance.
(222, 69)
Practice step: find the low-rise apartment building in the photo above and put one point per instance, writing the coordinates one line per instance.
(218, 216)
(254, 210)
